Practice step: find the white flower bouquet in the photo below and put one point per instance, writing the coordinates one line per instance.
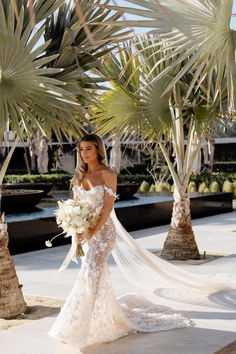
(75, 217)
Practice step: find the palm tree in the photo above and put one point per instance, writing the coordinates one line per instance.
(198, 31)
(195, 39)
(44, 86)
(81, 54)
(136, 108)
(28, 97)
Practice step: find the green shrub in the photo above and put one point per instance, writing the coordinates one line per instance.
(228, 187)
(134, 178)
(152, 188)
(224, 166)
(204, 177)
(144, 187)
(201, 187)
(215, 177)
(162, 187)
(206, 190)
(58, 171)
(234, 195)
(214, 187)
(192, 187)
(172, 188)
(60, 181)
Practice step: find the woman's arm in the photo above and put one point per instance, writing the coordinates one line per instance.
(75, 196)
(110, 181)
(75, 183)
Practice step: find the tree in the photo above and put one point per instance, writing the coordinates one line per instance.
(195, 39)
(136, 108)
(45, 86)
(198, 31)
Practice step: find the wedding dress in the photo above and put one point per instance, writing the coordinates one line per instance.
(91, 314)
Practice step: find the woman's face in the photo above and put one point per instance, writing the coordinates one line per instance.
(88, 151)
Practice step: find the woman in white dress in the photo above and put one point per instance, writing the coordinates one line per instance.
(91, 313)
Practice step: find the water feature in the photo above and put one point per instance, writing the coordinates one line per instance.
(48, 205)
(28, 230)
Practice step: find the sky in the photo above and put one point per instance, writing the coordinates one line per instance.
(233, 19)
(124, 3)
(138, 30)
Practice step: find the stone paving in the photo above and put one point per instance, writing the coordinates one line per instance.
(215, 327)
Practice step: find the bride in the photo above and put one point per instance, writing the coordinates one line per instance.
(91, 314)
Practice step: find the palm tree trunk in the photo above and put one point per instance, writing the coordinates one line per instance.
(180, 242)
(12, 302)
(211, 148)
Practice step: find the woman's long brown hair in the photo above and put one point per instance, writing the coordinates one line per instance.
(82, 167)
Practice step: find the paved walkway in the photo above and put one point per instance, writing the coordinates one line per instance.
(215, 327)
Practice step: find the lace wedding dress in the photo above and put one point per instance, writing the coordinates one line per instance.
(91, 313)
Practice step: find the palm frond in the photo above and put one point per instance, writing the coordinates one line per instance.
(79, 55)
(134, 107)
(27, 92)
(196, 31)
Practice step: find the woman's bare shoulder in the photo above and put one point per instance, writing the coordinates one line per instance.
(108, 175)
(75, 181)
(108, 171)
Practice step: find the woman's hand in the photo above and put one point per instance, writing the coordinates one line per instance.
(85, 237)
(80, 238)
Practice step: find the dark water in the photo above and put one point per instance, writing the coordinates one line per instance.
(47, 206)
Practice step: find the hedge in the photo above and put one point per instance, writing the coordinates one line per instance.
(62, 180)
(223, 166)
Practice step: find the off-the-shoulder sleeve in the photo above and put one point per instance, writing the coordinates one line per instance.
(75, 190)
(110, 192)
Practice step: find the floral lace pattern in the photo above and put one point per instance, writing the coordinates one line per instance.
(91, 313)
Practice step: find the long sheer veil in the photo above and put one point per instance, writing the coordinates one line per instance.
(151, 273)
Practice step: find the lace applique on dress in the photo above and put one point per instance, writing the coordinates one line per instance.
(110, 191)
(91, 313)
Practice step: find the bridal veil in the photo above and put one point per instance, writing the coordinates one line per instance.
(151, 273)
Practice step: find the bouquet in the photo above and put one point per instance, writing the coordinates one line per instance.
(75, 217)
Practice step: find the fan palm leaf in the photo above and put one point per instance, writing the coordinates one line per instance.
(35, 11)
(136, 107)
(80, 54)
(142, 105)
(45, 86)
(29, 96)
(198, 31)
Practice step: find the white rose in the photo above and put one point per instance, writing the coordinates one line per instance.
(77, 210)
(64, 224)
(68, 209)
(48, 243)
(71, 231)
(85, 211)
